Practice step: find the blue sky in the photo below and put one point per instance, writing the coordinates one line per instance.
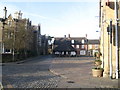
(60, 18)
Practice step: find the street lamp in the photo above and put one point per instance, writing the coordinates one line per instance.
(3, 24)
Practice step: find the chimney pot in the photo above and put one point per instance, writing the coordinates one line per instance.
(64, 36)
(5, 13)
(68, 35)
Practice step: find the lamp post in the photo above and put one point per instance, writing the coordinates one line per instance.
(3, 24)
(2, 31)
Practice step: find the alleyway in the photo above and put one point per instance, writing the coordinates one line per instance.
(53, 72)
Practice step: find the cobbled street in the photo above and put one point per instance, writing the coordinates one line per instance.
(30, 74)
(53, 72)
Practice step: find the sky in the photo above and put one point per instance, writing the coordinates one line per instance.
(57, 19)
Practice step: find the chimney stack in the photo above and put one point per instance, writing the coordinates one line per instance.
(69, 36)
(39, 28)
(18, 15)
(86, 35)
(5, 13)
(65, 36)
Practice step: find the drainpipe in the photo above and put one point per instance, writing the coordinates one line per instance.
(110, 30)
(116, 34)
(103, 46)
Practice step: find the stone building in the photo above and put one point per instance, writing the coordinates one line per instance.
(17, 33)
(18, 37)
(37, 39)
(0, 37)
(110, 37)
(44, 45)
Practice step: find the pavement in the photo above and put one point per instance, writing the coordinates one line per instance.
(77, 73)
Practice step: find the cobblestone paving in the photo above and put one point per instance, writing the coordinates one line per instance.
(79, 71)
(57, 72)
(31, 74)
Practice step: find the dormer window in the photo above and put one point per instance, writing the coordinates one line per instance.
(83, 41)
(72, 45)
(73, 41)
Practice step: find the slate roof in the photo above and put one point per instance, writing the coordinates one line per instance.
(77, 40)
(94, 41)
(0, 19)
(64, 46)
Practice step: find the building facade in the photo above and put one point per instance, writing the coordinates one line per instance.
(110, 37)
(18, 37)
(37, 39)
(63, 47)
(44, 45)
(93, 46)
(82, 46)
(1, 36)
(17, 34)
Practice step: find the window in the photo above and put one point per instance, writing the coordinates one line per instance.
(9, 34)
(62, 53)
(73, 41)
(66, 53)
(8, 51)
(90, 46)
(72, 45)
(73, 53)
(77, 46)
(82, 52)
(82, 46)
(83, 41)
(96, 46)
(56, 52)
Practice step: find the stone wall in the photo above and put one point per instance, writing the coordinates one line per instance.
(107, 14)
